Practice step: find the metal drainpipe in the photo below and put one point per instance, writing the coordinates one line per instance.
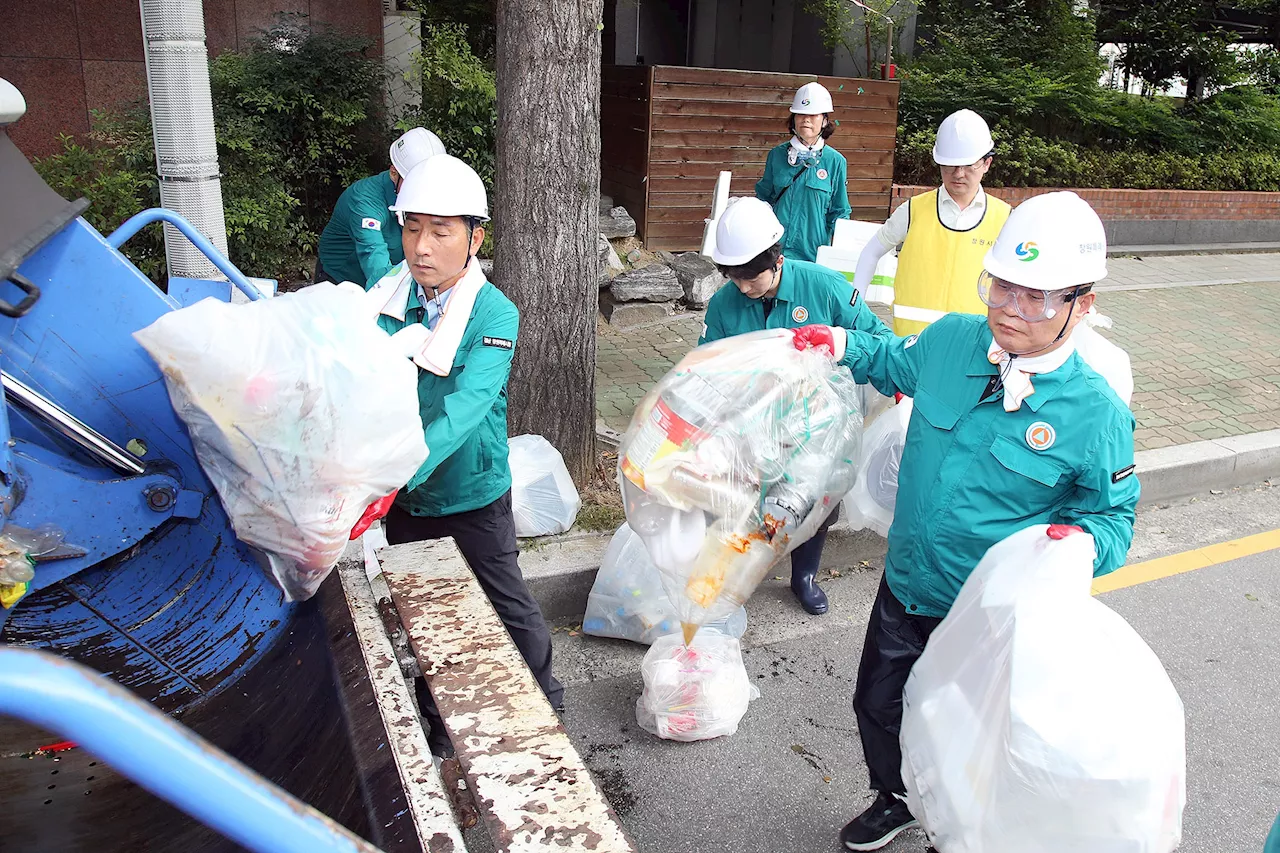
(182, 123)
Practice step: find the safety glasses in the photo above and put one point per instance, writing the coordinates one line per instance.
(1031, 305)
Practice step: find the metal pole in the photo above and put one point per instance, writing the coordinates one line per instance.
(177, 64)
(160, 755)
(888, 51)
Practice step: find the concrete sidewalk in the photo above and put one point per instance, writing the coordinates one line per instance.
(1202, 331)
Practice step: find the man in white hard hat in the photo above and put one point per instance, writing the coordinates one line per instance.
(806, 180)
(362, 240)
(467, 336)
(771, 291)
(944, 233)
(1011, 428)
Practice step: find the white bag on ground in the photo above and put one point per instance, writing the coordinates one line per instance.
(1037, 720)
(694, 692)
(302, 413)
(869, 504)
(543, 496)
(627, 601)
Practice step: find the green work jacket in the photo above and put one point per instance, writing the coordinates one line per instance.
(362, 240)
(807, 294)
(972, 473)
(807, 204)
(464, 413)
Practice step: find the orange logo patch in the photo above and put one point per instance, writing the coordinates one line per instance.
(800, 314)
(1041, 436)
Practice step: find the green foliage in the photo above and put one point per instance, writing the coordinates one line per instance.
(842, 24)
(308, 98)
(459, 98)
(1031, 69)
(116, 173)
(1167, 39)
(295, 122)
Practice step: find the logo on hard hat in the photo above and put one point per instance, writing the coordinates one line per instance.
(1026, 251)
(800, 314)
(805, 102)
(1041, 436)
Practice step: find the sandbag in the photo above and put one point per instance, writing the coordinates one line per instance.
(1037, 720)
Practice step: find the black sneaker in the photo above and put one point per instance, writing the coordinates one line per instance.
(878, 825)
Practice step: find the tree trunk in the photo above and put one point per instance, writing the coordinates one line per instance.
(546, 216)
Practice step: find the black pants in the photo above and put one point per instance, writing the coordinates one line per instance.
(895, 641)
(487, 539)
(807, 555)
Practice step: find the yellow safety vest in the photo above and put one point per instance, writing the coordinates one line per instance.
(938, 268)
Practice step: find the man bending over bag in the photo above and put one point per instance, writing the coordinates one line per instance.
(1011, 428)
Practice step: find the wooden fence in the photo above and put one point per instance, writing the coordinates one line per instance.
(667, 132)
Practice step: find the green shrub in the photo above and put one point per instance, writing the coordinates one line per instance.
(116, 173)
(296, 124)
(459, 98)
(309, 99)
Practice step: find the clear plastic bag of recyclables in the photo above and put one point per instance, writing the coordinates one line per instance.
(1037, 720)
(694, 692)
(302, 412)
(627, 601)
(732, 460)
(870, 503)
(543, 497)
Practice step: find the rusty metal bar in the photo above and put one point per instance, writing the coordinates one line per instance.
(534, 790)
(424, 794)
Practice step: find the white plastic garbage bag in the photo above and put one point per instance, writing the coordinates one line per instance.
(869, 504)
(302, 413)
(1103, 356)
(695, 692)
(732, 460)
(543, 496)
(1037, 720)
(627, 601)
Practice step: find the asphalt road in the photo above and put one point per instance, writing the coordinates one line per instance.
(793, 774)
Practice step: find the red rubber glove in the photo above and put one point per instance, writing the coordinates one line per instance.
(372, 513)
(814, 337)
(1062, 531)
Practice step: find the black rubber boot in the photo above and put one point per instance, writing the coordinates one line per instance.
(804, 570)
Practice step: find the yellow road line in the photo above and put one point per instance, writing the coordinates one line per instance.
(1187, 561)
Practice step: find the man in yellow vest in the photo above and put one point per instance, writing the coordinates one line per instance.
(944, 233)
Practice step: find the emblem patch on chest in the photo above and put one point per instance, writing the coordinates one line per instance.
(1041, 436)
(822, 174)
(800, 314)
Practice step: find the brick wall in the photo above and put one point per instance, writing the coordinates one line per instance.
(1113, 205)
(68, 57)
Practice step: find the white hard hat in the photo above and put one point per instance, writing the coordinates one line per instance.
(442, 186)
(812, 99)
(747, 227)
(12, 105)
(1050, 242)
(413, 147)
(963, 138)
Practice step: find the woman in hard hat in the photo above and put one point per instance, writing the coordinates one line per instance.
(1011, 428)
(771, 291)
(466, 335)
(805, 179)
(944, 233)
(362, 239)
